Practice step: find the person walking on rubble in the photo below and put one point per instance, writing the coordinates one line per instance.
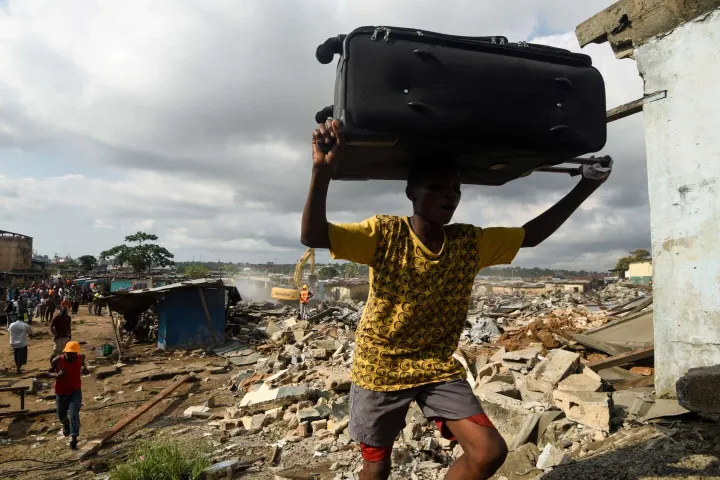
(422, 272)
(50, 306)
(19, 332)
(67, 369)
(61, 331)
(305, 296)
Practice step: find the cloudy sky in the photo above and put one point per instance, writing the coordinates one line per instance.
(192, 120)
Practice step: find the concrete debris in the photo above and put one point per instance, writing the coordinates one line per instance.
(698, 389)
(592, 409)
(520, 354)
(520, 360)
(550, 457)
(551, 370)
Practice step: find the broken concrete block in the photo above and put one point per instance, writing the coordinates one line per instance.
(526, 394)
(521, 359)
(104, 372)
(548, 373)
(698, 389)
(550, 457)
(343, 440)
(254, 423)
(592, 409)
(311, 414)
(502, 388)
(318, 353)
(227, 425)
(338, 426)
(523, 434)
(412, 431)
(579, 382)
(298, 335)
(507, 414)
(232, 412)
(339, 384)
(274, 413)
(272, 328)
(195, 408)
(520, 461)
(318, 425)
(497, 356)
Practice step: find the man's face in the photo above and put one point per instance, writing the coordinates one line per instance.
(436, 198)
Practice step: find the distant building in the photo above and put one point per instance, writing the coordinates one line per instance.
(15, 251)
(640, 273)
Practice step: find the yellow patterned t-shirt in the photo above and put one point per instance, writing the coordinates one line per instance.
(418, 300)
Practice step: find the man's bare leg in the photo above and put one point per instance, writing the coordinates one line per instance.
(484, 451)
(376, 470)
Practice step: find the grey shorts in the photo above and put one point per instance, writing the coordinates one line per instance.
(376, 418)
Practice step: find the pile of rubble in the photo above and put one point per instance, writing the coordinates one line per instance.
(548, 396)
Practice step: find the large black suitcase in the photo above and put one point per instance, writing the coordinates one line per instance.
(500, 109)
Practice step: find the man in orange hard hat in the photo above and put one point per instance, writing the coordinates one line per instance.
(67, 370)
(305, 296)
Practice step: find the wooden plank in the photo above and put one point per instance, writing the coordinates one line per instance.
(648, 301)
(13, 413)
(627, 24)
(14, 389)
(626, 110)
(623, 359)
(95, 444)
(208, 317)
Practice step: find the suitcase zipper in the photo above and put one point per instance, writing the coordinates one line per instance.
(500, 42)
(382, 29)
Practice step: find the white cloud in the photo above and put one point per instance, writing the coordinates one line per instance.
(192, 119)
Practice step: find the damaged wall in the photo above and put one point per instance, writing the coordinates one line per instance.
(683, 155)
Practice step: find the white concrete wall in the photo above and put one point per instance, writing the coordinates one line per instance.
(682, 134)
(639, 269)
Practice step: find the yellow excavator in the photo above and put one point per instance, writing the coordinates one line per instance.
(293, 294)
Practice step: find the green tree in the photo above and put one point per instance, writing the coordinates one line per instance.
(196, 271)
(638, 255)
(351, 270)
(141, 256)
(327, 272)
(87, 262)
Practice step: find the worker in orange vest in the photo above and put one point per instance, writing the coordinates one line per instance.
(305, 296)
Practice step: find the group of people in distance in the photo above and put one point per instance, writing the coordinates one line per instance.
(67, 364)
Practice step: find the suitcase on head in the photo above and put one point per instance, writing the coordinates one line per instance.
(500, 110)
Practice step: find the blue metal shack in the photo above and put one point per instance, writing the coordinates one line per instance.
(182, 322)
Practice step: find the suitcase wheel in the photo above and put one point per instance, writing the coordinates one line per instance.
(326, 51)
(324, 114)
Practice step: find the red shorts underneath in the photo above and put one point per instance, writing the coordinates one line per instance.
(376, 454)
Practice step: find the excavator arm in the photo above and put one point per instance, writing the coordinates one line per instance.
(293, 294)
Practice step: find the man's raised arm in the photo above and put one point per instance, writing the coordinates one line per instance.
(541, 227)
(314, 229)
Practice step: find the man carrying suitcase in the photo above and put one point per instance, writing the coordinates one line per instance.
(423, 270)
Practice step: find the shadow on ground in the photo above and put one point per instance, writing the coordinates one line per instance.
(687, 452)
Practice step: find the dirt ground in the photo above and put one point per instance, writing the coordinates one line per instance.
(31, 447)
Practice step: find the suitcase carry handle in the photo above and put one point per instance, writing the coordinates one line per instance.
(324, 114)
(605, 162)
(326, 51)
